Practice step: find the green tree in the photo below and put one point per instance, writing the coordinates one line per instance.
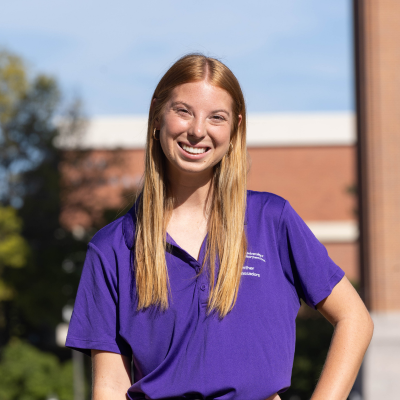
(13, 247)
(29, 374)
(30, 182)
(26, 129)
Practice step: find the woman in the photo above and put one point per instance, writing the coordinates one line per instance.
(199, 284)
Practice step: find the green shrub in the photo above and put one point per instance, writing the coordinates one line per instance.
(27, 373)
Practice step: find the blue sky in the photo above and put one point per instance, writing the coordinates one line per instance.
(289, 55)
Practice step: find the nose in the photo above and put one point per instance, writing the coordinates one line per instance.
(197, 129)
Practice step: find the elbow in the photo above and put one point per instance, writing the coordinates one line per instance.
(360, 325)
(369, 326)
(365, 328)
(365, 324)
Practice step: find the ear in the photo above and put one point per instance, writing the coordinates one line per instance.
(239, 119)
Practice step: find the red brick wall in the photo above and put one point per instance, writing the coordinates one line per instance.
(346, 256)
(316, 180)
(97, 180)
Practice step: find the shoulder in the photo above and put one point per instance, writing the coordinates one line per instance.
(269, 207)
(108, 235)
(264, 204)
(115, 237)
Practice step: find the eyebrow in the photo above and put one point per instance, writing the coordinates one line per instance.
(175, 103)
(221, 110)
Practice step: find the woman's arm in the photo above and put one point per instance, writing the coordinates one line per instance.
(353, 325)
(111, 375)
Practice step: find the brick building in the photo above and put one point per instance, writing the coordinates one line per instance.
(308, 159)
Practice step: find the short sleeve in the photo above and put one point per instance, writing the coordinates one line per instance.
(304, 259)
(94, 323)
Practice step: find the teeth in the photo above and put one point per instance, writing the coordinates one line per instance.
(193, 150)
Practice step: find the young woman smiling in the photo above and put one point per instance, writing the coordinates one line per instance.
(198, 286)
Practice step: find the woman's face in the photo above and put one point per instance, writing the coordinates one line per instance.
(195, 129)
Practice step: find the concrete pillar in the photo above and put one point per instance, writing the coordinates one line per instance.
(377, 49)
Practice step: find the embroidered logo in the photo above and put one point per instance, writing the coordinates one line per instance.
(255, 256)
(247, 272)
(250, 270)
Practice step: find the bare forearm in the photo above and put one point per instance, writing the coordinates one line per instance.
(104, 393)
(349, 344)
(111, 376)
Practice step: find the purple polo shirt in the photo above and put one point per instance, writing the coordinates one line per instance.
(184, 354)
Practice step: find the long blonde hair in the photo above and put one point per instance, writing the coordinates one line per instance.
(226, 240)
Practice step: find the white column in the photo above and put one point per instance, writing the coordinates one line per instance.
(381, 378)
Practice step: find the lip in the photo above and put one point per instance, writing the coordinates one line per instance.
(193, 156)
(195, 146)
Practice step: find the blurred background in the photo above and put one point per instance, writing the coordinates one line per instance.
(322, 87)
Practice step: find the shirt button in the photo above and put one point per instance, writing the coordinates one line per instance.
(203, 287)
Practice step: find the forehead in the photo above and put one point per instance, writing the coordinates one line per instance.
(202, 94)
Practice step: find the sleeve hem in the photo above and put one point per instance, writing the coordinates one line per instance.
(85, 346)
(324, 293)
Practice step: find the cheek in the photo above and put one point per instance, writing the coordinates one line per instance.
(165, 145)
(173, 126)
(167, 136)
(222, 138)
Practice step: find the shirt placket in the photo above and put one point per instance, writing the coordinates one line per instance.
(201, 282)
(201, 285)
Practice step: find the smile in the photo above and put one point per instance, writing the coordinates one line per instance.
(193, 150)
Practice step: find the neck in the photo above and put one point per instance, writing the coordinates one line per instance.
(190, 193)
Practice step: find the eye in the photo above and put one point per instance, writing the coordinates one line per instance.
(218, 117)
(183, 110)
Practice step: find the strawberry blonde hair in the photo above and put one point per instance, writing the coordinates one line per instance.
(226, 241)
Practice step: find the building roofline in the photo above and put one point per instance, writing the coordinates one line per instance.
(263, 130)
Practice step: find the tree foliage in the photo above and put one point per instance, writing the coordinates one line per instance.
(13, 247)
(29, 374)
(27, 108)
(30, 182)
(13, 84)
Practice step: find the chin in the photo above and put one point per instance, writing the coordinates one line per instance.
(194, 170)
